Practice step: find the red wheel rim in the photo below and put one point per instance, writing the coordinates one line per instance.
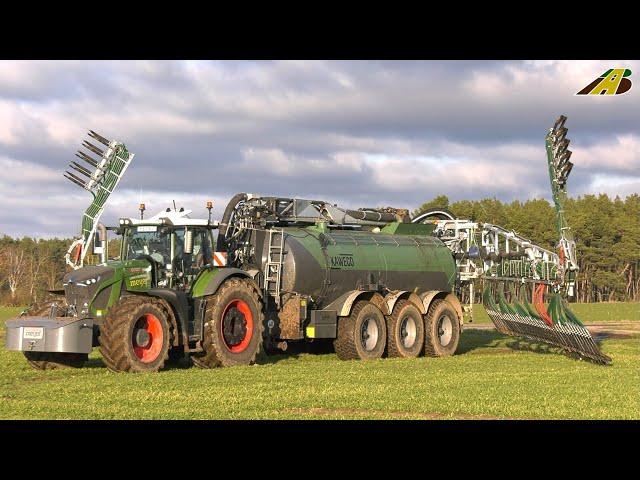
(149, 351)
(237, 345)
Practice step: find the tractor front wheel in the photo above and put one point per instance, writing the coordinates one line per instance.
(136, 335)
(234, 327)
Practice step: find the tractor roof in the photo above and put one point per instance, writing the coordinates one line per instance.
(170, 217)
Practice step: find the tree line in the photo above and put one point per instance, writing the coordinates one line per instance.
(29, 267)
(606, 230)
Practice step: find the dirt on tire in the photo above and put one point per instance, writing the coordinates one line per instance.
(346, 345)
(432, 345)
(115, 341)
(216, 352)
(395, 346)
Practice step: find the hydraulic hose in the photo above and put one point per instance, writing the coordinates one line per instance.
(221, 244)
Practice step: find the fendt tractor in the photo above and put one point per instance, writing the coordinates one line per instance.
(373, 281)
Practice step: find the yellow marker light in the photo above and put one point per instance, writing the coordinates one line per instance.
(311, 332)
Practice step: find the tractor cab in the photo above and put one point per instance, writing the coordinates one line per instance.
(176, 246)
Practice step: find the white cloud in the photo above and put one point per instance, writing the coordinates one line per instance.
(351, 132)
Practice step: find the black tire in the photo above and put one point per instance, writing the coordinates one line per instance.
(442, 329)
(123, 345)
(356, 330)
(55, 360)
(405, 331)
(234, 328)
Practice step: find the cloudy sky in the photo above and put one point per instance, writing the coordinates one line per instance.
(359, 133)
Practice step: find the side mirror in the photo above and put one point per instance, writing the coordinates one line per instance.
(100, 245)
(188, 242)
(97, 243)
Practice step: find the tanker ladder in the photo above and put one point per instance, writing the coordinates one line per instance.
(273, 270)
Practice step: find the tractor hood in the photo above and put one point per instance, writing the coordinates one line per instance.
(87, 275)
(81, 286)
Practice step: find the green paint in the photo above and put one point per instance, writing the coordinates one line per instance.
(382, 251)
(397, 228)
(202, 281)
(137, 275)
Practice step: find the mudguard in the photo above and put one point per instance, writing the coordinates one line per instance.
(210, 280)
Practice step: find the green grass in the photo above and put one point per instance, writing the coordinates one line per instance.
(493, 376)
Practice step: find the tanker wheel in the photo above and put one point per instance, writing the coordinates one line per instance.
(442, 329)
(405, 331)
(136, 335)
(52, 360)
(234, 327)
(363, 334)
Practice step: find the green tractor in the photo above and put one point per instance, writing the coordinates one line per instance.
(142, 308)
(135, 308)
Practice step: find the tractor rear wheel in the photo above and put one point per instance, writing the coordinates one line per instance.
(136, 335)
(442, 329)
(52, 360)
(233, 332)
(405, 331)
(363, 334)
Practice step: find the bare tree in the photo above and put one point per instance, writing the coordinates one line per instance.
(14, 266)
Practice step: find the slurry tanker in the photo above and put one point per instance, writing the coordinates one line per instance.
(276, 270)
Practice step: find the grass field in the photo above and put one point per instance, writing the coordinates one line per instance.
(493, 376)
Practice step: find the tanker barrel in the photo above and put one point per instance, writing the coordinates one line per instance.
(86, 158)
(92, 147)
(99, 138)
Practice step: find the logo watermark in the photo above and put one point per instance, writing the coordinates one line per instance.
(612, 82)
